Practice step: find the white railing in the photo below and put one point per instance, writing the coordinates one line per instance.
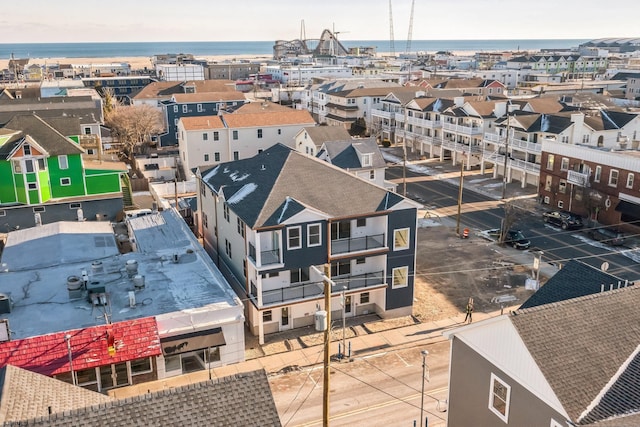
(469, 130)
(525, 166)
(424, 123)
(381, 113)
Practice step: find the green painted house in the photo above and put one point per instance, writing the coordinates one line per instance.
(40, 165)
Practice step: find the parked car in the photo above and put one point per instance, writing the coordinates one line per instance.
(563, 219)
(610, 236)
(514, 238)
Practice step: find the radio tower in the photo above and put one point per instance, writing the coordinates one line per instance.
(413, 3)
(391, 46)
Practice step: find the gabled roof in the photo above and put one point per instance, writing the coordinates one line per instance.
(202, 123)
(257, 187)
(48, 354)
(574, 279)
(344, 154)
(242, 399)
(52, 141)
(260, 106)
(547, 123)
(185, 98)
(321, 134)
(587, 349)
(87, 109)
(460, 83)
(548, 105)
(164, 90)
(268, 118)
(25, 394)
(432, 104)
(609, 120)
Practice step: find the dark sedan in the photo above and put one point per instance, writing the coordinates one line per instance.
(563, 219)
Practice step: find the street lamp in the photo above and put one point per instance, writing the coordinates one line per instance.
(461, 183)
(424, 368)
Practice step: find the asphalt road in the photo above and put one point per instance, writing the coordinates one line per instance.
(480, 212)
(376, 390)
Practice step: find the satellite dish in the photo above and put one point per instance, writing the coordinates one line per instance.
(605, 266)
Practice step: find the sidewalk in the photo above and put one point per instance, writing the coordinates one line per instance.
(417, 335)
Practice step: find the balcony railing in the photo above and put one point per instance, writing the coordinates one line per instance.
(266, 257)
(469, 130)
(357, 244)
(301, 291)
(519, 144)
(381, 113)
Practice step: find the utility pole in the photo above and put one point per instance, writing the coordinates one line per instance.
(67, 338)
(327, 334)
(506, 158)
(424, 353)
(344, 321)
(460, 194)
(404, 152)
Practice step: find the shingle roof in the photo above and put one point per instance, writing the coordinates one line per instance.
(344, 154)
(164, 90)
(547, 105)
(184, 98)
(267, 118)
(202, 123)
(587, 348)
(240, 400)
(609, 119)
(257, 188)
(48, 354)
(25, 394)
(257, 107)
(322, 134)
(87, 109)
(44, 135)
(574, 279)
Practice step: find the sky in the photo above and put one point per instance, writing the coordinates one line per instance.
(42, 21)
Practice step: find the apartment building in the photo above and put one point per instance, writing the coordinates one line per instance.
(273, 221)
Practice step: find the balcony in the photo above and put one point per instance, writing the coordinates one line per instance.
(468, 130)
(514, 143)
(424, 123)
(267, 257)
(381, 113)
(357, 244)
(302, 291)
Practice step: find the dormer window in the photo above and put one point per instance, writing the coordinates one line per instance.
(27, 149)
(366, 159)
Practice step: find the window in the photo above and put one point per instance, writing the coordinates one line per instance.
(63, 162)
(400, 277)
(225, 211)
(227, 247)
(42, 164)
(27, 149)
(39, 209)
(560, 204)
(205, 136)
(28, 166)
(75, 205)
(294, 240)
(630, 180)
(206, 157)
(299, 275)
(613, 178)
(32, 186)
(364, 298)
(185, 109)
(499, 396)
(216, 136)
(200, 109)
(65, 181)
(175, 108)
(267, 316)
(597, 174)
(280, 132)
(564, 164)
(235, 134)
(550, 160)
(361, 222)
(366, 159)
(140, 366)
(562, 186)
(401, 239)
(240, 227)
(259, 133)
(216, 157)
(361, 260)
(372, 175)
(313, 235)
(205, 220)
(17, 167)
(175, 121)
(340, 268)
(87, 377)
(236, 155)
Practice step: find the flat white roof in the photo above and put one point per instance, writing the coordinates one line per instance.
(178, 275)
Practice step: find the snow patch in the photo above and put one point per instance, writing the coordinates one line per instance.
(242, 193)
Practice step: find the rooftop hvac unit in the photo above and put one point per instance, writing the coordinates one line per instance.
(5, 304)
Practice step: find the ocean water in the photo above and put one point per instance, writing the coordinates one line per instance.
(260, 48)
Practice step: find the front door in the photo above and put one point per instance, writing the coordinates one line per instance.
(285, 318)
